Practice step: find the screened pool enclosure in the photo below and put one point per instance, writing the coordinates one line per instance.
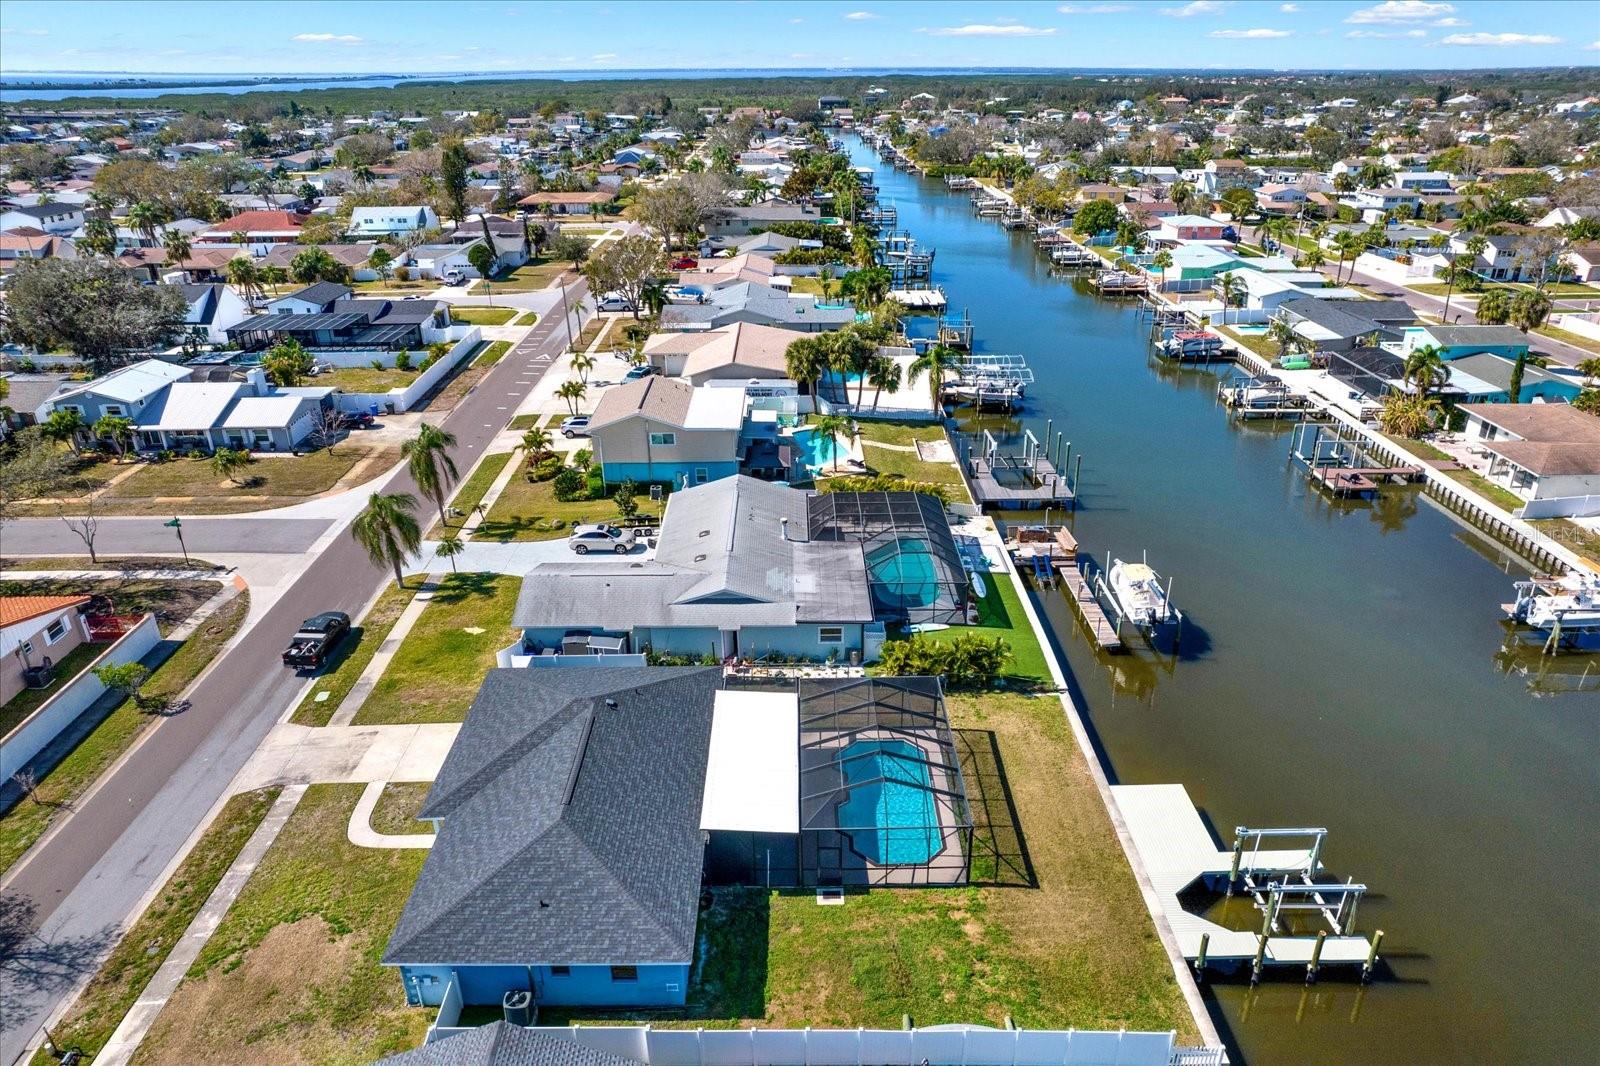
(914, 569)
(882, 797)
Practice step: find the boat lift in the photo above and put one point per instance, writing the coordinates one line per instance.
(991, 380)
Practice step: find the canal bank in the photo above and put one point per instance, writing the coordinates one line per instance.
(1342, 666)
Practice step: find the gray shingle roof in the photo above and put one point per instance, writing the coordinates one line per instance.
(1351, 318)
(773, 306)
(321, 293)
(503, 1044)
(571, 829)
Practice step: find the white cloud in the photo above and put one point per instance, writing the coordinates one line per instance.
(1451, 22)
(12, 31)
(1197, 7)
(862, 16)
(327, 38)
(1400, 11)
(1250, 35)
(1592, 47)
(796, 22)
(1385, 35)
(1093, 9)
(1289, 9)
(978, 29)
(601, 57)
(1499, 40)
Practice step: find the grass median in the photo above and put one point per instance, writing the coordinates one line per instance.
(66, 782)
(471, 492)
(353, 654)
(139, 954)
(483, 316)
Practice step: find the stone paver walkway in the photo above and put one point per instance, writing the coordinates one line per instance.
(136, 1023)
(361, 833)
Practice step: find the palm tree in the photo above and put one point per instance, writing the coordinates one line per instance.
(572, 392)
(1529, 310)
(1348, 245)
(934, 362)
(805, 360)
(1283, 335)
(574, 313)
(229, 461)
(388, 530)
(850, 351)
(582, 363)
(653, 296)
(362, 174)
(829, 427)
(243, 275)
(1228, 286)
(450, 547)
(1425, 368)
(176, 243)
(537, 442)
(825, 279)
(146, 217)
(1494, 307)
(116, 430)
(63, 426)
(430, 464)
(883, 374)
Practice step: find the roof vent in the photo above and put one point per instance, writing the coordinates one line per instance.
(611, 703)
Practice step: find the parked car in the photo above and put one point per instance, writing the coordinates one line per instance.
(685, 263)
(635, 373)
(575, 426)
(600, 538)
(356, 420)
(316, 638)
(453, 277)
(613, 301)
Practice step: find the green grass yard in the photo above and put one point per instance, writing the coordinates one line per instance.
(437, 670)
(536, 274)
(292, 973)
(344, 667)
(1588, 344)
(397, 807)
(139, 954)
(366, 378)
(279, 475)
(471, 491)
(483, 316)
(1000, 614)
(493, 354)
(906, 464)
(529, 510)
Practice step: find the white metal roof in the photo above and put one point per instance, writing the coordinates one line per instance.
(753, 767)
(131, 384)
(715, 409)
(262, 412)
(190, 405)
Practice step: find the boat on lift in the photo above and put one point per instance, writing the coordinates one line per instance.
(1570, 602)
(1137, 590)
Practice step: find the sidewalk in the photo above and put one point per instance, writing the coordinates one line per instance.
(346, 712)
(137, 1022)
(362, 835)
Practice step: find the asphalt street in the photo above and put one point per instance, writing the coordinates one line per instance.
(62, 906)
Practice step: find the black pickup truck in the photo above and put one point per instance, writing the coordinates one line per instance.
(318, 635)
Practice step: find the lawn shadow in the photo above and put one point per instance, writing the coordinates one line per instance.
(999, 849)
(463, 586)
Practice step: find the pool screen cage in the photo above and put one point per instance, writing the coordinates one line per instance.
(914, 569)
(882, 797)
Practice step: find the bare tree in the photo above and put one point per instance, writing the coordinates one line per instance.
(86, 525)
(26, 781)
(327, 427)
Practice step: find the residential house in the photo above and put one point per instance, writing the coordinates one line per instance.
(1373, 204)
(313, 299)
(55, 218)
(261, 230)
(376, 223)
(1423, 181)
(1585, 262)
(170, 411)
(1486, 379)
(752, 301)
(568, 203)
(1220, 175)
(1549, 454)
(758, 218)
(353, 256)
(34, 631)
(213, 307)
(1454, 342)
(1340, 325)
(740, 352)
(381, 325)
(437, 260)
(1280, 199)
(661, 429)
(1190, 228)
(26, 393)
(28, 242)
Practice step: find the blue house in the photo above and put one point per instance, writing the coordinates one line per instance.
(569, 851)
(1454, 342)
(666, 430)
(1486, 378)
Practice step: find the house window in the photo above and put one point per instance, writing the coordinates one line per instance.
(701, 475)
(113, 410)
(663, 439)
(561, 971)
(830, 634)
(624, 973)
(55, 631)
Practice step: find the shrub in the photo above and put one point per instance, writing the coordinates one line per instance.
(545, 469)
(402, 273)
(402, 360)
(582, 458)
(597, 483)
(885, 483)
(570, 485)
(966, 661)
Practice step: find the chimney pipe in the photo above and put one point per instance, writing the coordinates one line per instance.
(612, 704)
(784, 522)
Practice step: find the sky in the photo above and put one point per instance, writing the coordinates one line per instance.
(413, 36)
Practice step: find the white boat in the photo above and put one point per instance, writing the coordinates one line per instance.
(1139, 595)
(1572, 601)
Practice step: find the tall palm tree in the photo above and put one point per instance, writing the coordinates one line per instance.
(934, 362)
(176, 243)
(582, 363)
(572, 392)
(428, 459)
(830, 427)
(146, 217)
(1425, 368)
(805, 360)
(1529, 310)
(243, 275)
(883, 374)
(389, 531)
(1228, 287)
(450, 547)
(653, 296)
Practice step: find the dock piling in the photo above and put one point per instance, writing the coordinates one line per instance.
(1260, 959)
(1316, 957)
(1200, 959)
(1372, 957)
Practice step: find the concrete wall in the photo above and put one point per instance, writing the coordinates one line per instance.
(1587, 325)
(61, 710)
(798, 640)
(404, 399)
(34, 633)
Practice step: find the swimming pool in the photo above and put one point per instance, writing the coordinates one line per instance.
(818, 450)
(893, 796)
(903, 574)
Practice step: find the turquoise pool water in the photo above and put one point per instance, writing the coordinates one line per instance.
(817, 450)
(893, 795)
(903, 574)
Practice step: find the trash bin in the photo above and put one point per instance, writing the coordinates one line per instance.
(517, 1006)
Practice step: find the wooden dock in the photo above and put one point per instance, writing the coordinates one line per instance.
(1107, 635)
(1049, 488)
(1346, 481)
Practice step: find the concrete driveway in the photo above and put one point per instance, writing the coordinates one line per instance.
(517, 557)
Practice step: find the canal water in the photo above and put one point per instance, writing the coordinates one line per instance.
(1342, 666)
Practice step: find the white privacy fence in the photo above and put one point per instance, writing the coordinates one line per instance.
(398, 400)
(938, 1046)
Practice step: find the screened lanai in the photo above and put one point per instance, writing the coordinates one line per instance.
(914, 570)
(882, 797)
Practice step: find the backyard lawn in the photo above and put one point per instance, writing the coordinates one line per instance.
(483, 316)
(28, 700)
(1056, 935)
(397, 807)
(438, 668)
(534, 275)
(907, 464)
(140, 953)
(529, 510)
(366, 378)
(344, 667)
(1000, 614)
(26, 822)
(292, 975)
